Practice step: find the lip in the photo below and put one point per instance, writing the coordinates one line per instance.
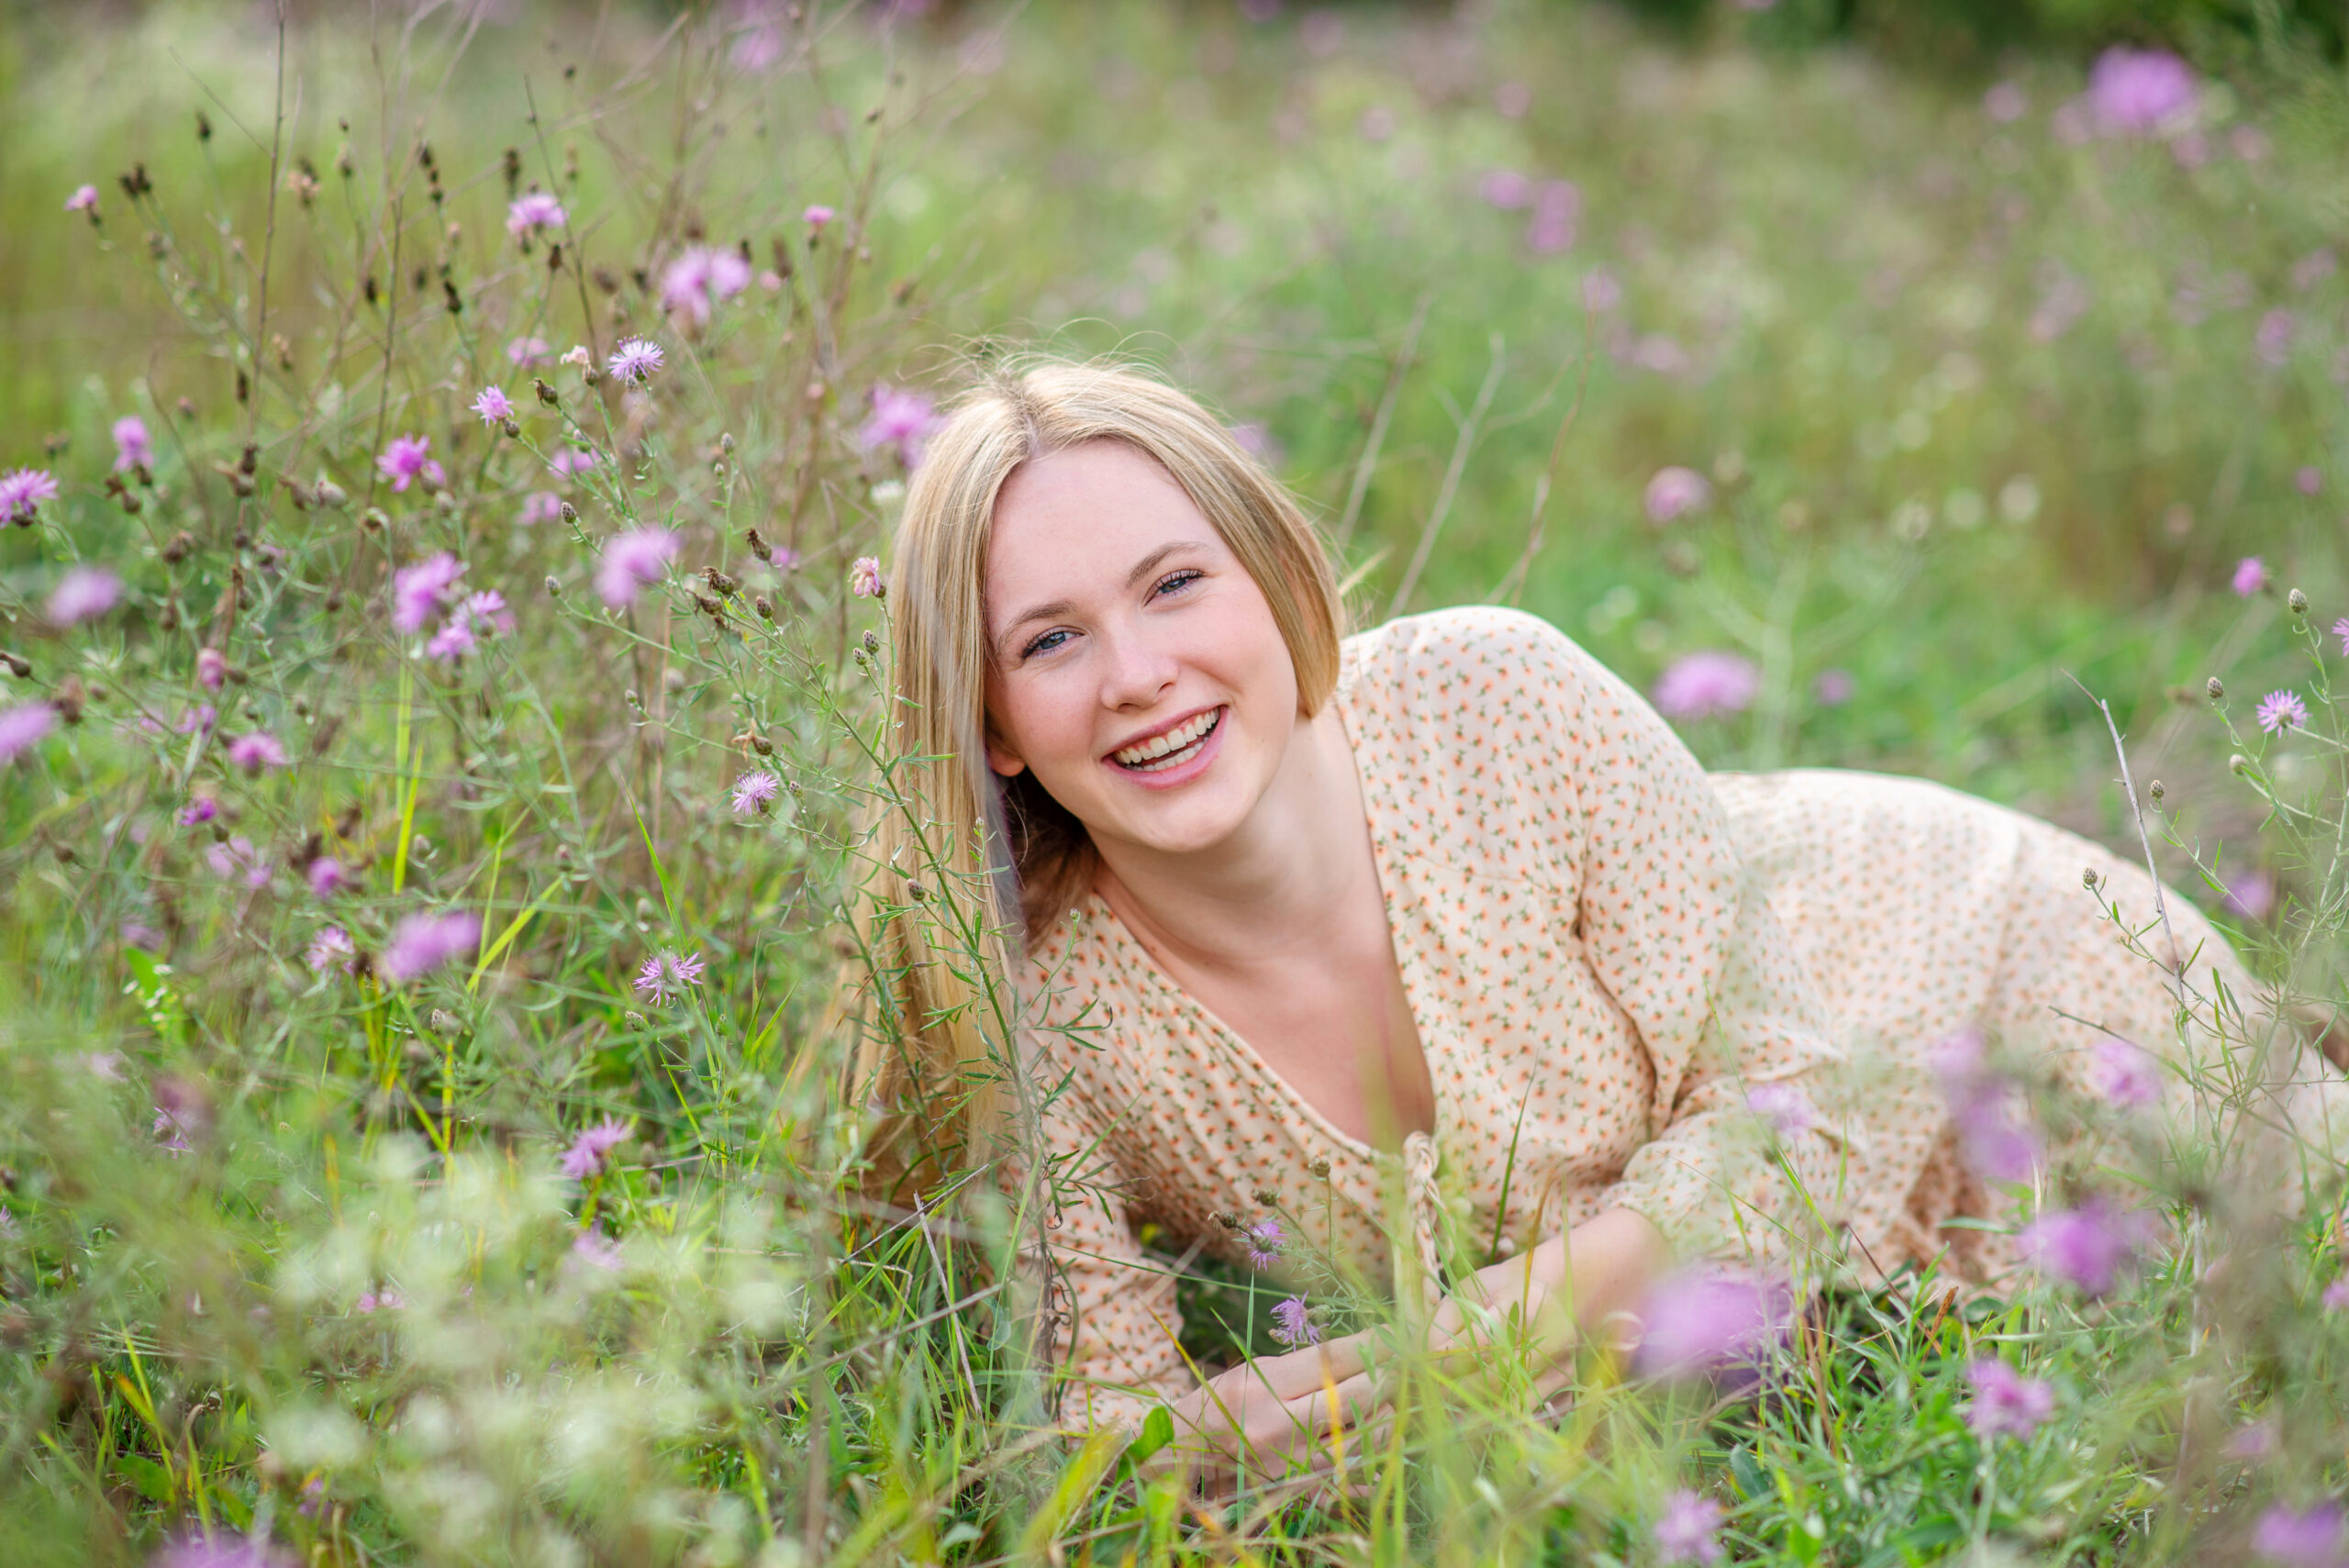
(1175, 777)
(1111, 756)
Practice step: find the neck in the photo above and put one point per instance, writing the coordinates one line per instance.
(1270, 887)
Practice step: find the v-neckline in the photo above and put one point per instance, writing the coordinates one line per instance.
(1246, 1057)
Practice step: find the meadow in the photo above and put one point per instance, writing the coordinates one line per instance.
(451, 451)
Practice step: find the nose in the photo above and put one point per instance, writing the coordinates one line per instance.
(1137, 671)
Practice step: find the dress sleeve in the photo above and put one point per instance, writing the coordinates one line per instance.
(1752, 1116)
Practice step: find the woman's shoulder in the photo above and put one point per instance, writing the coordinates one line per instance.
(1464, 660)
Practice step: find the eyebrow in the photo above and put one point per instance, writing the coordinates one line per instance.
(1141, 569)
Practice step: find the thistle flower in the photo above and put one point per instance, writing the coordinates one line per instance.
(2250, 894)
(199, 809)
(1293, 1324)
(2124, 1073)
(2137, 92)
(84, 199)
(171, 1133)
(330, 948)
(408, 458)
(590, 1151)
(451, 642)
(541, 506)
(631, 560)
(2279, 711)
(1784, 1105)
(487, 607)
(21, 493)
(238, 859)
(81, 593)
(1709, 1317)
(2300, 1538)
(571, 461)
(370, 1302)
(418, 591)
(1686, 1531)
(524, 352)
(2336, 1295)
(902, 419)
(256, 751)
(2087, 1247)
(665, 976)
(594, 1250)
(23, 725)
(814, 216)
(1263, 1239)
(2251, 575)
(864, 578)
(493, 406)
(534, 211)
(199, 716)
(216, 1548)
(635, 360)
(132, 448)
(2006, 1402)
(1673, 492)
(754, 792)
(1701, 684)
(699, 278)
(211, 669)
(421, 943)
(782, 558)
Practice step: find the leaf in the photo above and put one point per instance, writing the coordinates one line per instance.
(147, 1478)
(1157, 1431)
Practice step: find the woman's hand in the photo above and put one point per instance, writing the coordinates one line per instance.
(1271, 1416)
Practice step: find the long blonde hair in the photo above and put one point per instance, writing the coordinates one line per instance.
(972, 870)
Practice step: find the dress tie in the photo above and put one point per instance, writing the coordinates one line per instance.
(1423, 1207)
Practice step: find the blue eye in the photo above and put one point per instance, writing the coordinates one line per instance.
(1182, 579)
(1042, 644)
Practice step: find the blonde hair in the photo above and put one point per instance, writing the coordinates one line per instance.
(940, 961)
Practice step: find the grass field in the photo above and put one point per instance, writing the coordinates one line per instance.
(345, 904)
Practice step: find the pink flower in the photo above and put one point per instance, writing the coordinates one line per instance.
(864, 578)
(2279, 711)
(1833, 688)
(1784, 1107)
(596, 1251)
(635, 360)
(239, 860)
(327, 877)
(1706, 683)
(1687, 1531)
(2250, 894)
(418, 590)
(451, 642)
(1558, 211)
(201, 717)
(1985, 1107)
(131, 447)
(782, 558)
(256, 751)
(211, 669)
(21, 493)
(1506, 189)
(83, 591)
(902, 419)
(329, 949)
(665, 976)
(1673, 492)
(487, 607)
(2273, 341)
(493, 406)
(2251, 576)
(590, 1151)
(700, 278)
(2087, 1247)
(2006, 103)
(84, 199)
(525, 353)
(2309, 479)
(370, 1302)
(754, 792)
(631, 561)
(2300, 1538)
(408, 458)
(1263, 1240)
(1709, 1317)
(536, 210)
(216, 1548)
(2336, 1295)
(1293, 1324)
(571, 461)
(23, 725)
(2005, 1402)
(2124, 1073)
(816, 216)
(2139, 92)
(200, 810)
(541, 506)
(1600, 292)
(422, 943)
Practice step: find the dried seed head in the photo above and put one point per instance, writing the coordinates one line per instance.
(761, 745)
(546, 394)
(2217, 688)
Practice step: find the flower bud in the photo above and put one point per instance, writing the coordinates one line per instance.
(510, 427)
(570, 514)
(2216, 689)
(546, 394)
(374, 520)
(328, 493)
(2088, 878)
(871, 643)
(767, 610)
(761, 745)
(1319, 1169)
(16, 666)
(916, 891)
(1268, 1197)
(2154, 789)
(2297, 602)
(2239, 765)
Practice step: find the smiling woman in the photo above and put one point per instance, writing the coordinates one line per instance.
(1430, 946)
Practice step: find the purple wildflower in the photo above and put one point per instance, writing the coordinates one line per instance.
(591, 1151)
(1833, 688)
(1707, 683)
(2250, 894)
(2336, 1295)
(200, 716)
(1293, 1324)
(131, 447)
(782, 558)
(864, 578)
(326, 876)
(2273, 340)
(1674, 492)
(138, 934)
(534, 211)
(526, 352)
(816, 216)
(2124, 1073)
(665, 976)
(2251, 576)
(21, 493)
(1686, 1531)
(635, 360)
(238, 858)
(2308, 479)
(541, 506)
(452, 641)
(81, 593)
(408, 458)
(258, 749)
(84, 199)
(2299, 1538)
(1506, 189)
(1784, 1106)
(1263, 1239)
(199, 809)
(571, 461)
(595, 1250)
(171, 1133)
(1987, 1110)
(2005, 1402)
(2135, 92)
(418, 591)
(22, 726)
(902, 419)
(631, 560)
(216, 1548)
(422, 943)
(1710, 1318)
(700, 278)
(211, 669)
(1557, 213)
(754, 792)
(2087, 1247)
(493, 406)
(2279, 711)
(329, 949)
(487, 607)
(370, 1302)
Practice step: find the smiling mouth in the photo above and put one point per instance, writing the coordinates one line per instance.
(1171, 750)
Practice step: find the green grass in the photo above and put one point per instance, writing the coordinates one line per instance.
(1837, 263)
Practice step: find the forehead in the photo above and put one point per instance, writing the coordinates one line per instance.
(1085, 510)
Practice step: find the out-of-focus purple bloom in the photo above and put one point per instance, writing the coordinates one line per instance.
(170, 1134)
(330, 948)
(754, 792)
(103, 1065)
(2300, 1538)
(2336, 1295)
(541, 506)
(1784, 1107)
(2087, 1247)
(487, 607)
(2124, 1073)
(1557, 212)
(2005, 1402)
(1293, 1324)
(132, 448)
(595, 1250)
(326, 876)
(591, 1151)
(782, 558)
(239, 858)
(1708, 1318)
(422, 943)
(2138, 92)
(1506, 189)
(816, 216)
(524, 353)
(1688, 1530)
(2251, 576)
(9, 1228)
(2308, 479)
(451, 642)
(2253, 1440)
(1676, 492)
(1833, 688)
(493, 406)
(2279, 711)
(631, 560)
(1264, 1242)
(1257, 439)
(145, 938)
(200, 808)
(700, 278)
(533, 211)
(2250, 894)
(84, 199)
(81, 593)
(864, 578)
(408, 458)
(571, 461)
(1986, 1108)
(635, 360)
(23, 725)
(1706, 683)
(216, 1548)
(257, 749)
(370, 1302)
(902, 419)
(665, 976)
(2273, 340)
(21, 493)
(2005, 102)
(201, 716)
(1600, 292)
(211, 669)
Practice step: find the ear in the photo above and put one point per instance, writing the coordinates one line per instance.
(1001, 757)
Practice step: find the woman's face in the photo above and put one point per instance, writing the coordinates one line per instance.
(1135, 668)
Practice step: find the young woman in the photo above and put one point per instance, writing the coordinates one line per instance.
(1438, 923)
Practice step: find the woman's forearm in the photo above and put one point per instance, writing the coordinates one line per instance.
(1578, 1281)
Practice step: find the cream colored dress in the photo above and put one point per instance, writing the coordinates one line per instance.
(1605, 950)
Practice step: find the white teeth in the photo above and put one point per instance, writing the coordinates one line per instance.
(1160, 752)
